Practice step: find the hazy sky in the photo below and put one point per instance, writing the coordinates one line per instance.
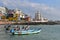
(48, 8)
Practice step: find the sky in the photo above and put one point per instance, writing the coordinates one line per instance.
(49, 9)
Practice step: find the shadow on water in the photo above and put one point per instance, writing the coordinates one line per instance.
(23, 37)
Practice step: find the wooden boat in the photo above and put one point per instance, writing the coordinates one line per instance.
(22, 32)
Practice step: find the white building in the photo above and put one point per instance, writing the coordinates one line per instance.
(39, 18)
(1, 15)
(20, 14)
(3, 10)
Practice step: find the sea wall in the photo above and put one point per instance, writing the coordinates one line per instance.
(28, 23)
(37, 23)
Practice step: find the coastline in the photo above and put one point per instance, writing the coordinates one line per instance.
(27, 23)
(6, 22)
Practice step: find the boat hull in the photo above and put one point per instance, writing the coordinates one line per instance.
(25, 32)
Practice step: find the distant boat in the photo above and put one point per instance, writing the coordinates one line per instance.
(24, 32)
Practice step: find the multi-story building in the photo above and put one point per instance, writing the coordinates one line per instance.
(39, 18)
(1, 16)
(20, 14)
(3, 10)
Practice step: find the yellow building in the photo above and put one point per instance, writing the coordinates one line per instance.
(14, 18)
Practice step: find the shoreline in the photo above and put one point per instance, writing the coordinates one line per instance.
(28, 23)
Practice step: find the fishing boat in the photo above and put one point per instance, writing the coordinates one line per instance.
(24, 32)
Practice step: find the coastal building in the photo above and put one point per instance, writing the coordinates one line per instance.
(39, 18)
(1, 16)
(10, 11)
(3, 10)
(19, 13)
(27, 19)
(13, 15)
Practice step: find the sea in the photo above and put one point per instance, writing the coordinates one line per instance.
(48, 32)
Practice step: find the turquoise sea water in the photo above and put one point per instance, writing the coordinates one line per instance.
(49, 32)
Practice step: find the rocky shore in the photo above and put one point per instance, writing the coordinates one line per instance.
(28, 23)
(37, 23)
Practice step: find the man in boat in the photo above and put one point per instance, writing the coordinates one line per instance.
(17, 28)
(12, 31)
(7, 27)
(26, 27)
